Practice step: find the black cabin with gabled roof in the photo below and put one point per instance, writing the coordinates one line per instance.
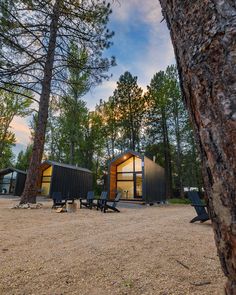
(71, 181)
(12, 181)
(137, 177)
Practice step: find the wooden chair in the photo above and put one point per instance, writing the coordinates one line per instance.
(199, 207)
(88, 203)
(112, 204)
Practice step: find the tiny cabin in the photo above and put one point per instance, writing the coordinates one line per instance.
(70, 180)
(137, 177)
(12, 181)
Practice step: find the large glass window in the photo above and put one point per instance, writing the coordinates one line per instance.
(127, 166)
(125, 176)
(139, 185)
(48, 171)
(7, 183)
(138, 164)
(127, 189)
(46, 181)
(129, 182)
(45, 188)
(4, 185)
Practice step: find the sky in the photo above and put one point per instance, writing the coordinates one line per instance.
(141, 45)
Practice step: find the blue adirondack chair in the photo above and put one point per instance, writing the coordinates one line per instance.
(102, 200)
(112, 204)
(58, 200)
(88, 203)
(200, 208)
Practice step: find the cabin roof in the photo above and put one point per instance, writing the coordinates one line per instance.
(127, 154)
(11, 169)
(48, 163)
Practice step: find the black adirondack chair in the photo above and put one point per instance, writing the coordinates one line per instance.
(88, 203)
(200, 208)
(112, 204)
(102, 200)
(58, 200)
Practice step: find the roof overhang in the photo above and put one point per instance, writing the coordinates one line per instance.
(46, 164)
(11, 169)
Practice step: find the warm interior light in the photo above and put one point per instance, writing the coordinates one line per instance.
(125, 157)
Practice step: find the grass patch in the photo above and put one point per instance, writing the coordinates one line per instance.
(179, 201)
(128, 283)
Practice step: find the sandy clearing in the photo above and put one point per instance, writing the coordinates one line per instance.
(151, 250)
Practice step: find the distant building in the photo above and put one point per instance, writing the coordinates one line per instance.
(12, 181)
(137, 177)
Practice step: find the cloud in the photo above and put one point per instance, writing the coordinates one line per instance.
(102, 91)
(18, 148)
(143, 40)
(21, 129)
(158, 53)
(142, 46)
(124, 10)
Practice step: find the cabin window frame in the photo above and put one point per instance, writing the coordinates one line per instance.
(134, 176)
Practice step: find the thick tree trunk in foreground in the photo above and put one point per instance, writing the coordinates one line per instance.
(204, 38)
(32, 180)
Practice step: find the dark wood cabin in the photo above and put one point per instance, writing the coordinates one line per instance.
(70, 180)
(12, 181)
(137, 177)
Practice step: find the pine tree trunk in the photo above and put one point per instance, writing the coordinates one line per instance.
(72, 153)
(167, 156)
(204, 38)
(179, 153)
(32, 180)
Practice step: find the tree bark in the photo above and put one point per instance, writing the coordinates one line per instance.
(72, 152)
(167, 155)
(204, 39)
(179, 149)
(32, 180)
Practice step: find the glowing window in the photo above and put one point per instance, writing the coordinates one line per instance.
(126, 166)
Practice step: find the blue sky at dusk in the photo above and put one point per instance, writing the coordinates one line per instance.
(141, 46)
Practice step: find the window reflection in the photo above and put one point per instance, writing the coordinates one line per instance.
(46, 181)
(129, 182)
(126, 166)
(8, 183)
(127, 189)
(138, 164)
(125, 176)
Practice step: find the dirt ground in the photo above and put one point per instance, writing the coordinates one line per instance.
(142, 250)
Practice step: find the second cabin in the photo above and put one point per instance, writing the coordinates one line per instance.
(70, 180)
(137, 177)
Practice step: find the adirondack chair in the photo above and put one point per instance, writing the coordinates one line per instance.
(102, 200)
(196, 202)
(112, 204)
(58, 200)
(88, 203)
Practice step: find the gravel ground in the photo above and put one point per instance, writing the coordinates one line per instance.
(142, 250)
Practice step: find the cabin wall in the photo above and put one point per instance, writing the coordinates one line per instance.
(71, 182)
(154, 178)
(20, 184)
(112, 181)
